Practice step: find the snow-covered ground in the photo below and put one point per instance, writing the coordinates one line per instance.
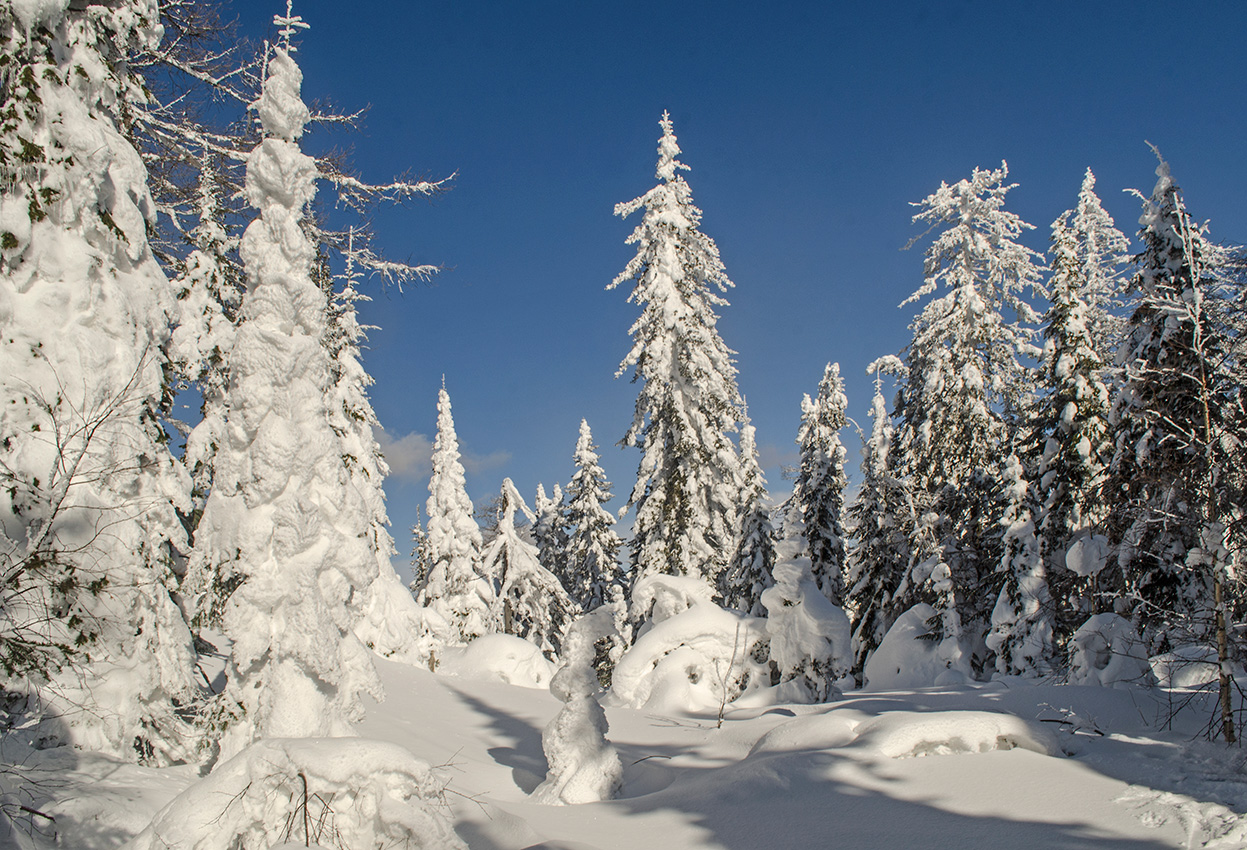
(1005, 764)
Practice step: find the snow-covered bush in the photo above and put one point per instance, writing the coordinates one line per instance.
(810, 637)
(908, 656)
(696, 658)
(584, 767)
(502, 658)
(1107, 651)
(339, 792)
(658, 596)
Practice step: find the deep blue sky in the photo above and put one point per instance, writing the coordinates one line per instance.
(809, 127)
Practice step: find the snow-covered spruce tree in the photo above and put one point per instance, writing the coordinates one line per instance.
(89, 492)
(818, 490)
(1022, 634)
(685, 495)
(1174, 461)
(455, 587)
(964, 379)
(1071, 419)
(592, 548)
(749, 572)
(278, 511)
(878, 559)
(387, 618)
(550, 531)
(530, 603)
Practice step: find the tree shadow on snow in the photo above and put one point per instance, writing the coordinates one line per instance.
(792, 800)
(525, 757)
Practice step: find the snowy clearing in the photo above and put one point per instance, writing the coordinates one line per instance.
(981, 766)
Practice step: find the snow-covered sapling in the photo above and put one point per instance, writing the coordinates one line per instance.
(584, 767)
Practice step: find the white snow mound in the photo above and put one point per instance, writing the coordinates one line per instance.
(501, 658)
(909, 734)
(358, 793)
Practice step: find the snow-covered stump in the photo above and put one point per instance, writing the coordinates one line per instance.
(335, 792)
(583, 766)
(1107, 651)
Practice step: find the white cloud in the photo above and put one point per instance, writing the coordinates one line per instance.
(475, 464)
(409, 456)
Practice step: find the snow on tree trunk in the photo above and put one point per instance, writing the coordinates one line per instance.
(456, 588)
(88, 489)
(530, 603)
(282, 497)
(583, 766)
(685, 495)
(1022, 631)
(810, 637)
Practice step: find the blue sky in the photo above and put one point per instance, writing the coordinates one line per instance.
(809, 126)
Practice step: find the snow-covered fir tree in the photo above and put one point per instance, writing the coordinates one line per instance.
(550, 530)
(964, 379)
(1173, 460)
(685, 494)
(592, 550)
(530, 601)
(455, 588)
(387, 618)
(282, 501)
(1022, 634)
(749, 572)
(818, 490)
(1071, 419)
(878, 558)
(89, 493)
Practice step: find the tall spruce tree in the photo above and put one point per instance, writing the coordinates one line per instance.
(1071, 418)
(592, 549)
(964, 380)
(685, 495)
(878, 559)
(1174, 474)
(818, 491)
(749, 573)
(455, 587)
(89, 492)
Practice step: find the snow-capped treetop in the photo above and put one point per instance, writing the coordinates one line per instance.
(450, 525)
(668, 150)
(281, 110)
(978, 246)
(749, 572)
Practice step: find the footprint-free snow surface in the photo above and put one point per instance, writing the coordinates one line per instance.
(1003, 765)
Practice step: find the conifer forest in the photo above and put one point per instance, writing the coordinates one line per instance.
(1008, 607)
